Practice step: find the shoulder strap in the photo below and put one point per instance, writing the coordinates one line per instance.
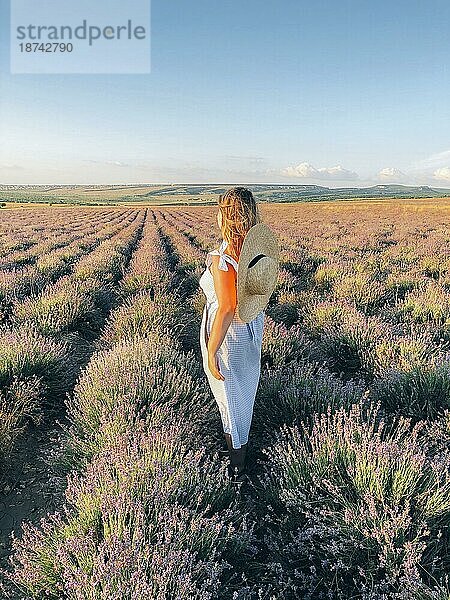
(224, 258)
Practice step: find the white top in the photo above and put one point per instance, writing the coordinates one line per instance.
(223, 257)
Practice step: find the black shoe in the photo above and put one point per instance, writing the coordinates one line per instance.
(237, 476)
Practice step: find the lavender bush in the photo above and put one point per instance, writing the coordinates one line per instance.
(295, 392)
(139, 373)
(421, 391)
(360, 507)
(142, 519)
(19, 403)
(61, 308)
(281, 345)
(25, 353)
(143, 313)
(348, 345)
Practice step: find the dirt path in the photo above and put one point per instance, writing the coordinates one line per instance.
(32, 489)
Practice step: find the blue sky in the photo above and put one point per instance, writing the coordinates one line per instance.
(348, 92)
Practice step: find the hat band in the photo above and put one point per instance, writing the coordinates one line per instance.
(255, 260)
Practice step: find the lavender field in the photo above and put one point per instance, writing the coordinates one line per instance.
(111, 485)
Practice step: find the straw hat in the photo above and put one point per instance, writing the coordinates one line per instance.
(257, 271)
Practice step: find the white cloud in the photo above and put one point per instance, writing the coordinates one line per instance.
(439, 159)
(391, 175)
(442, 174)
(307, 171)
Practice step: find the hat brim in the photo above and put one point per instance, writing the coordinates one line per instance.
(259, 240)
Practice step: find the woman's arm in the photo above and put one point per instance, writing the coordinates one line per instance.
(225, 287)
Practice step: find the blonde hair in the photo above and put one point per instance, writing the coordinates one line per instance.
(239, 213)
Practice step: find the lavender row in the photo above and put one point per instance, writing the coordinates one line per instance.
(41, 352)
(74, 299)
(16, 222)
(25, 250)
(20, 283)
(199, 231)
(192, 255)
(149, 268)
(145, 494)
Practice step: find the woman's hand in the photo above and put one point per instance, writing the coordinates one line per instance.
(213, 366)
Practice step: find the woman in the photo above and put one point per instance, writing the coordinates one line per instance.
(231, 346)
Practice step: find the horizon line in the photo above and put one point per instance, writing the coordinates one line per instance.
(135, 184)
